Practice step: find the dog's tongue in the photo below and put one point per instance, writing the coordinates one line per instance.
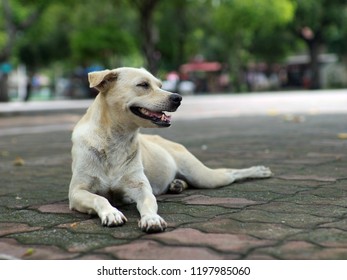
(154, 114)
(158, 115)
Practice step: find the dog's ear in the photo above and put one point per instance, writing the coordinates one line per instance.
(101, 79)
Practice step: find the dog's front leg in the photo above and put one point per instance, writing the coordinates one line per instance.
(87, 202)
(141, 193)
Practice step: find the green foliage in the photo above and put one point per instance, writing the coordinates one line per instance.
(3, 39)
(101, 32)
(233, 15)
(239, 22)
(47, 40)
(326, 18)
(77, 32)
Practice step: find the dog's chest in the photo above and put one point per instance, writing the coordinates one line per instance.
(113, 162)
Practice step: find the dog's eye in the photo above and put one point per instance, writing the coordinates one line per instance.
(144, 85)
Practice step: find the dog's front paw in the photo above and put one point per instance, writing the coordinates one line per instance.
(261, 172)
(152, 223)
(112, 218)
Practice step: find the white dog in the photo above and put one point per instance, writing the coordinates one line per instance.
(112, 160)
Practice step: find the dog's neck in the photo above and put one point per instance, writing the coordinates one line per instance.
(110, 121)
(119, 141)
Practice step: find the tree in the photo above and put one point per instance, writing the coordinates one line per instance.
(147, 31)
(239, 22)
(103, 34)
(17, 18)
(174, 30)
(314, 23)
(47, 40)
(38, 33)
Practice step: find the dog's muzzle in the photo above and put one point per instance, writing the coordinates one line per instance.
(159, 118)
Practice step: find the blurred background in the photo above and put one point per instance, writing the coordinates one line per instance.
(195, 46)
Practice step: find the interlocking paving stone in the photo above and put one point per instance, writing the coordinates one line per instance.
(35, 218)
(266, 231)
(70, 241)
(55, 208)
(299, 213)
(151, 250)
(11, 248)
(326, 237)
(8, 228)
(339, 224)
(237, 243)
(294, 208)
(304, 221)
(223, 201)
(302, 250)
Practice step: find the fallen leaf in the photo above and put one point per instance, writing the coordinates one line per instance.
(342, 135)
(272, 112)
(294, 118)
(18, 161)
(28, 252)
(73, 225)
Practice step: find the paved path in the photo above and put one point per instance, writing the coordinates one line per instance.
(222, 105)
(300, 213)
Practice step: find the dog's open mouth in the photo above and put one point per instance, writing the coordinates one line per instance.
(158, 118)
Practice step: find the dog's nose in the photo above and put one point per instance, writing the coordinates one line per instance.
(175, 98)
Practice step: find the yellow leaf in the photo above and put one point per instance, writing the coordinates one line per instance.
(73, 225)
(29, 252)
(18, 161)
(342, 135)
(272, 112)
(294, 118)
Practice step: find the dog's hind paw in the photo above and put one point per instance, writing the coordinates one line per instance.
(177, 186)
(261, 172)
(152, 224)
(113, 218)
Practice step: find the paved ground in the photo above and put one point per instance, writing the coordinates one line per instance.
(227, 105)
(300, 213)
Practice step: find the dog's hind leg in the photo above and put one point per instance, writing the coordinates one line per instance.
(198, 175)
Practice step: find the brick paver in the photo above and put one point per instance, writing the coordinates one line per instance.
(300, 213)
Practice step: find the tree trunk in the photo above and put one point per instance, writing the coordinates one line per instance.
(313, 40)
(148, 42)
(314, 47)
(145, 9)
(181, 22)
(3, 88)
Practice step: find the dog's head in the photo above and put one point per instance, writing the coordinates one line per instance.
(137, 94)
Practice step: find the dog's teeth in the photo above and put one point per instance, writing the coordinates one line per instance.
(165, 118)
(144, 111)
(162, 116)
